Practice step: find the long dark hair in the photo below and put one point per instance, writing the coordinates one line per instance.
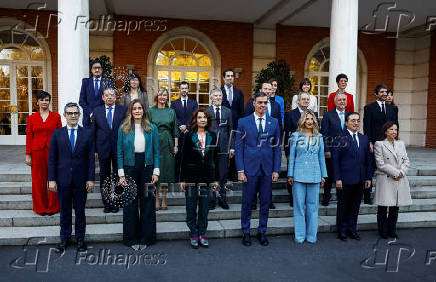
(386, 126)
(127, 82)
(193, 121)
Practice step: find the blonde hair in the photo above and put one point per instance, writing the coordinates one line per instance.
(129, 120)
(159, 92)
(302, 122)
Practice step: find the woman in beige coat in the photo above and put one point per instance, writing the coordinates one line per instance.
(392, 185)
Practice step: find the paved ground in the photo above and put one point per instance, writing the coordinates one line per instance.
(227, 260)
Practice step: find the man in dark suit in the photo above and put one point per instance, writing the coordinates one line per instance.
(352, 172)
(272, 110)
(375, 115)
(222, 127)
(291, 125)
(107, 119)
(92, 90)
(332, 125)
(184, 108)
(233, 98)
(258, 158)
(71, 174)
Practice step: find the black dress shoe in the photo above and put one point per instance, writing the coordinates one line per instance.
(291, 202)
(342, 236)
(212, 205)
(50, 213)
(115, 210)
(246, 240)
(394, 235)
(326, 200)
(224, 205)
(353, 235)
(272, 206)
(262, 239)
(81, 246)
(62, 246)
(384, 236)
(368, 201)
(107, 210)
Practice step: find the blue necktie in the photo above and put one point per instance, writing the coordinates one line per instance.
(341, 116)
(72, 139)
(96, 87)
(260, 129)
(109, 117)
(356, 145)
(230, 96)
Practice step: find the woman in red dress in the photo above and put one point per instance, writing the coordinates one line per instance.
(40, 127)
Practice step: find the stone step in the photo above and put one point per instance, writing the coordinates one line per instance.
(216, 229)
(20, 218)
(24, 201)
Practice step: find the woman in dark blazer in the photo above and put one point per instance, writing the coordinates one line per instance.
(138, 158)
(198, 172)
(133, 89)
(40, 127)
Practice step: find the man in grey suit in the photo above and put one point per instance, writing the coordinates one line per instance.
(222, 126)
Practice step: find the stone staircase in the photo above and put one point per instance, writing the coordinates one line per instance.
(18, 222)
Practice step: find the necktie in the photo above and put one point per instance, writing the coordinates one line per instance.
(383, 109)
(96, 87)
(268, 108)
(230, 96)
(341, 116)
(356, 145)
(217, 116)
(184, 105)
(109, 117)
(260, 129)
(72, 141)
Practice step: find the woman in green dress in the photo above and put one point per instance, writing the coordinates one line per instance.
(165, 119)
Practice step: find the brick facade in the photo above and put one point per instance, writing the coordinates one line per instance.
(430, 138)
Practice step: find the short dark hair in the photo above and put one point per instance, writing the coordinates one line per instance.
(42, 95)
(227, 70)
(95, 61)
(259, 94)
(193, 121)
(380, 86)
(271, 80)
(305, 81)
(347, 116)
(131, 76)
(70, 105)
(183, 83)
(386, 126)
(341, 75)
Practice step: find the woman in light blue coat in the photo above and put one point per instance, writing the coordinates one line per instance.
(307, 172)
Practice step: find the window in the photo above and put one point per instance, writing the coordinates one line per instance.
(318, 73)
(185, 59)
(22, 72)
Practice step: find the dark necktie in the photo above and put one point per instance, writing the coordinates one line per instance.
(72, 141)
(356, 145)
(383, 109)
(230, 96)
(217, 116)
(260, 129)
(272, 98)
(184, 105)
(96, 87)
(109, 117)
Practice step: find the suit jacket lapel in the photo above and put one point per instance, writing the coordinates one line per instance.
(78, 139)
(390, 148)
(91, 86)
(66, 138)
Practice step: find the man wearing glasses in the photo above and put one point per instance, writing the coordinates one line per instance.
(92, 90)
(71, 171)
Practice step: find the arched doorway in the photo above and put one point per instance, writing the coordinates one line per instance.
(23, 72)
(317, 70)
(184, 54)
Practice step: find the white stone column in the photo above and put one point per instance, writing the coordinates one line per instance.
(73, 49)
(343, 43)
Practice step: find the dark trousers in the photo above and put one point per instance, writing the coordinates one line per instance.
(67, 197)
(329, 180)
(367, 192)
(233, 175)
(223, 169)
(197, 196)
(107, 167)
(349, 198)
(178, 158)
(139, 217)
(264, 184)
(387, 224)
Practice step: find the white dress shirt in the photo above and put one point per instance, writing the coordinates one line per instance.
(98, 79)
(228, 93)
(339, 115)
(75, 133)
(357, 136)
(214, 110)
(380, 105)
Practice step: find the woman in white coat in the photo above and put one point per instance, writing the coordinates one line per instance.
(392, 185)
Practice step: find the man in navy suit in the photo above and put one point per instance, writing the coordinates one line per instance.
(291, 125)
(258, 158)
(91, 91)
(71, 174)
(107, 119)
(222, 127)
(233, 98)
(332, 125)
(184, 108)
(352, 171)
(273, 110)
(375, 116)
